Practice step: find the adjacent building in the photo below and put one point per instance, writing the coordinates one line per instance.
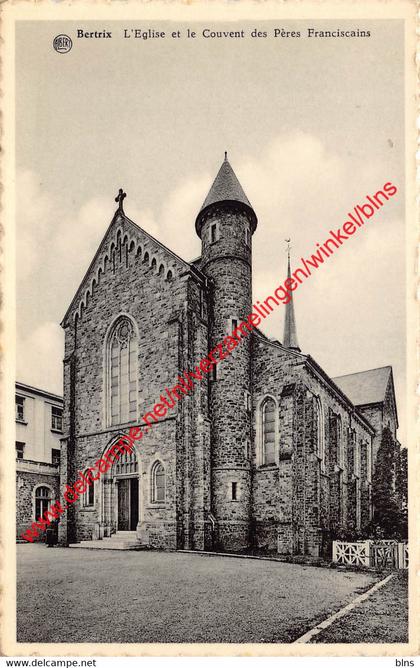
(39, 427)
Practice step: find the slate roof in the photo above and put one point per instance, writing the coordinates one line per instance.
(365, 387)
(225, 188)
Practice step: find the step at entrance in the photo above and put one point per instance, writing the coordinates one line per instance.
(122, 540)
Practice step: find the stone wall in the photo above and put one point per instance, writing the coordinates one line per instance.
(227, 262)
(172, 337)
(304, 503)
(30, 475)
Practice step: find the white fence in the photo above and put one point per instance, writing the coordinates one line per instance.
(379, 554)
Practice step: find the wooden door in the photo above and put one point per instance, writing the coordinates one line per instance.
(134, 503)
(124, 504)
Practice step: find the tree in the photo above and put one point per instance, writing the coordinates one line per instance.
(387, 515)
(402, 489)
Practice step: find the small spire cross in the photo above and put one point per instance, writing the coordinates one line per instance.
(120, 199)
(288, 247)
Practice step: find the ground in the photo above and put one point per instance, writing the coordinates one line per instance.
(383, 617)
(68, 595)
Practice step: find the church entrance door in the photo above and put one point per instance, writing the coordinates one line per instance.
(128, 504)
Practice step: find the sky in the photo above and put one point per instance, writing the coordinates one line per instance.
(311, 127)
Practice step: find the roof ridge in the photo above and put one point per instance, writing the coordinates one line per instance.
(376, 368)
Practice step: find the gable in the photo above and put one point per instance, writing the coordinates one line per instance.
(127, 239)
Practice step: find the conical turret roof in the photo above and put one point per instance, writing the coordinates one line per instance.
(226, 188)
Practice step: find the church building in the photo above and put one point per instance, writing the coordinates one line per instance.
(266, 453)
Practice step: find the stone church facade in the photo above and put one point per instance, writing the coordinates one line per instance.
(267, 452)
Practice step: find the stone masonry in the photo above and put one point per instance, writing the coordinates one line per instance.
(220, 490)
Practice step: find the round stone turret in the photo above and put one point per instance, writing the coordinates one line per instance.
(225, 224)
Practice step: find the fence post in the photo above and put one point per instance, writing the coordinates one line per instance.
(400, 562)
(334, 551)
(367, 558)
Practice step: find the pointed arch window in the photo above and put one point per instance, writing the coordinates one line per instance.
(268, 429)
(158, 483)
(89, 494)
(122, 372)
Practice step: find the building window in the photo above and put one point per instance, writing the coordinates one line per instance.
(358, 505)
(369, 461)
(55, 456)
(126, 463)
(20, 447)
(43, 500)
(122, 372)
(56, 418)
(20, 412)
(247, 236)
(214, 233)
(356, 457)
(247, 450)
(158, 483)
(89, 494)
(320, 427)
(247, 401)
(340, 444)
(233, 324)
(268, 431)
(234, 491)
(214, 372)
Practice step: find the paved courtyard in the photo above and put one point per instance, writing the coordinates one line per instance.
(68, 595)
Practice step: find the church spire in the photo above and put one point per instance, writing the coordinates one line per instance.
(290, 335)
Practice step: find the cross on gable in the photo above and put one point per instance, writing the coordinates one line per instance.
(120, 198)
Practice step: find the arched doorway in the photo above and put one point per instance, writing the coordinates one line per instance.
(120, 496)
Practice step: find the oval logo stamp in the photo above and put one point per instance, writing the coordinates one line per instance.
(62, 43)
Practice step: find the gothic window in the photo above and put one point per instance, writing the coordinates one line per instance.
(126, 463)
(89, 494)
(43, 500)
(122, 372)
(157, 483)
(320, 428)
(268, 431)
